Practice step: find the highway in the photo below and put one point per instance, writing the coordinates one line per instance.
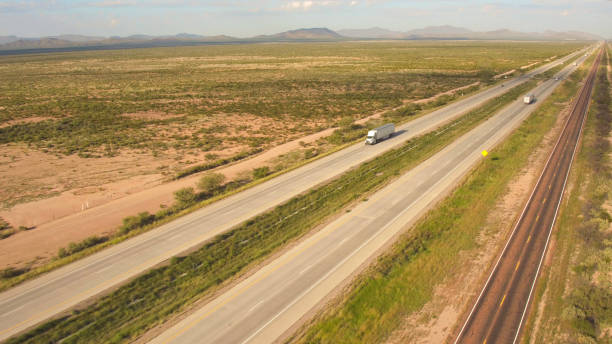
(265, 305)
(37, 300)
(499, 312)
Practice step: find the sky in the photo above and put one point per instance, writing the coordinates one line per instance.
(247, 18)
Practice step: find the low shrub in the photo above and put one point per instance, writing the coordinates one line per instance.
(77, 247)
(261, 172)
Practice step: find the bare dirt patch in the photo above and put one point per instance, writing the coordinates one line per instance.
(504, 74)
(89, 210)
(151, 115)
(450, 92)
(529, 65)
(13, 122)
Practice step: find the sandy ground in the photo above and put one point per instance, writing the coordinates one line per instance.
(504, 74)
(106, 209)
(529, 65)
(34, 119)
(427, 100)
(439, 319)
(81, 208)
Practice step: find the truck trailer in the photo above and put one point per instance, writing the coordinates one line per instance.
(528, 99)
(379, 134)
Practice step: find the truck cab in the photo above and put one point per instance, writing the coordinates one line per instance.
(371, 138)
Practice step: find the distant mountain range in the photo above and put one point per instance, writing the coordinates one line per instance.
(452, 32)
(78, 42)
(303, 34)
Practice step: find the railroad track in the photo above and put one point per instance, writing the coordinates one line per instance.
(500, 310)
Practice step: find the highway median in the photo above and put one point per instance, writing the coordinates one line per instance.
(403, 281)
(166, 291)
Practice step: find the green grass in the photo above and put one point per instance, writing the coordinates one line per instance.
(575, 303)
(159, 293)
(402, 281)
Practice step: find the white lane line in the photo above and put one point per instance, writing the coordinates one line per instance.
(306, 269)
(12, 311)
(345, 259)
(342, 241)
(256, 305)
(175, 237)
(103, 269)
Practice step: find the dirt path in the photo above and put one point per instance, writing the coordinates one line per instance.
(44, 242)
(451, 92)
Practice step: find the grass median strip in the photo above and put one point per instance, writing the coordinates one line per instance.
(402, 281)
(152, 297)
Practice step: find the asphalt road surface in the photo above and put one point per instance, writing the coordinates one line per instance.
(35, 301)
(498, 313)
(265, 305)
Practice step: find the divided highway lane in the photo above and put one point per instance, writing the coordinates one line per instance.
(37, 300)
(265, 305)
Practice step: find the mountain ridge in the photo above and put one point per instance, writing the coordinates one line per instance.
(453, 32)
(70, 41)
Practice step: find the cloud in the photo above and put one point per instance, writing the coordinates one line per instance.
(306, 5)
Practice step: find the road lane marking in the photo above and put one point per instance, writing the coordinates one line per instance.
(103, 269)
(306, 269)
(337, 266)
(180, 235)
(502, 301)
(12, 311)
(256, 305)
(295, 254)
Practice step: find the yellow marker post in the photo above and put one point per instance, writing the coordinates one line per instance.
(484, 153)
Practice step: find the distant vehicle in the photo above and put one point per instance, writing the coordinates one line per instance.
(379, 134)
(575, 63)
(528, 99)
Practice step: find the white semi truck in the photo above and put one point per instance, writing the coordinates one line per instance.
(528, 99)
(379, 134)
